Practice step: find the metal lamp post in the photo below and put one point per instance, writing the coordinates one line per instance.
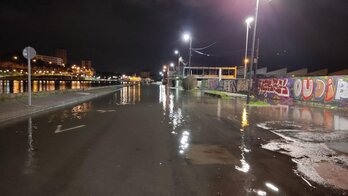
(247, 21)
(253, 49)
(187, 37)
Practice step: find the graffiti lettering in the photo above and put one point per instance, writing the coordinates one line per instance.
(342, 90)
(274, 87)
(307, 88)
(298, 88)
(319, 88)
(330, 92)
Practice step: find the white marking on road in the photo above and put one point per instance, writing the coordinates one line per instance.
(58, 130)
(101, 111)
(81, 93)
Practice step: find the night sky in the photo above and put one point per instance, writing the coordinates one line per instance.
(131, 35)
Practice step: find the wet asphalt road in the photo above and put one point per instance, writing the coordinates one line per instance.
(151, 141)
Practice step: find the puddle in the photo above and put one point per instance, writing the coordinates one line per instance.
(309, 149)
(202, 154)
(334, 174)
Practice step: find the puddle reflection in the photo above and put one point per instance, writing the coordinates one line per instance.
(245, 167)
(184, 142)
(328, 120)
(29, 167)
(130, 95)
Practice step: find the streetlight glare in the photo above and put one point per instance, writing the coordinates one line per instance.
(176, 52)
(249, 20)
(171, 64)
(186, 37)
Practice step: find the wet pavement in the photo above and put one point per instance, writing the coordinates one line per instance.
(153, 141)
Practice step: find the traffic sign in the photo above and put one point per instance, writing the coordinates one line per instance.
(29, 50)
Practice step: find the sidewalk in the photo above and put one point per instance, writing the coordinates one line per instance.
(18, 107)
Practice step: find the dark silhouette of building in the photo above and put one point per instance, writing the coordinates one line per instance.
(62, 53)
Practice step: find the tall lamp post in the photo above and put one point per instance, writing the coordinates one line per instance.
(253, 49)
(178, 53)
(247, 21)
(187, 37)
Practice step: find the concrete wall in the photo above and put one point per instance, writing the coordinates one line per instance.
(325, 89)
(232, 86)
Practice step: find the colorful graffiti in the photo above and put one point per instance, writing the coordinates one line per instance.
(274, 86)
(223, 85)
(320, 89)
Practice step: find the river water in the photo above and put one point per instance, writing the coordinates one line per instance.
(20, 86)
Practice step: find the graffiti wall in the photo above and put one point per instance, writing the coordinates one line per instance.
(223, 85)
(328, 89)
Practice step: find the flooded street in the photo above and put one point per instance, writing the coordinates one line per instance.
(150, 140)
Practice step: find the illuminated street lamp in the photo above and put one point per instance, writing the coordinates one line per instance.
(253, 49)
(15, 57)
(171, 64)
(187, 37)
(247, 21)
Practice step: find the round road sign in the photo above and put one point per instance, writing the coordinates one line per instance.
(29, 50)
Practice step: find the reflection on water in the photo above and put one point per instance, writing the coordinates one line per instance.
(81, 110)
(30, 160)
(184, 142)
(163, 97)
(21, 86)
(328, 120)
(245, 167)
(245, 121)
(130, 95)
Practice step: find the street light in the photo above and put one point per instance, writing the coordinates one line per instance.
(247, 21)
(253, 49)
(187, 37)
(171, 64)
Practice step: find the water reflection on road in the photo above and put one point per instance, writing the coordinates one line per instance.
(192, 116)
(196, 144)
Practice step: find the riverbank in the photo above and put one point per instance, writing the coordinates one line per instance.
(16, 107)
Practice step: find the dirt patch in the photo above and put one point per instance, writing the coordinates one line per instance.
(333, 174)
(203, 154)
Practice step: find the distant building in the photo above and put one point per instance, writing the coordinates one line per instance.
(86, 63)
(145, 74)
(50, 59)
(62, 53)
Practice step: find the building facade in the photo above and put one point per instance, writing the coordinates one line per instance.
(50, 59)
(62, 53)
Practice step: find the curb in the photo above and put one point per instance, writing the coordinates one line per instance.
(35, 110)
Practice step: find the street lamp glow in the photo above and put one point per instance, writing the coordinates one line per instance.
(186, 37)
(176, 52)
(164, 67)
(249, 20)
(161, 73)
(171, 64)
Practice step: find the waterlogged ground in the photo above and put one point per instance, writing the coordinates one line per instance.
(318, 147)
(151, 140)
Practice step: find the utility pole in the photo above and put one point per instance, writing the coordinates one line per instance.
(257, 61)
(253, 50)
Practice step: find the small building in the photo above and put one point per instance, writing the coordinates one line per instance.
(62, 53)
(50, 59)
(86, 63)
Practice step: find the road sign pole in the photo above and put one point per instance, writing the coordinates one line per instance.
(29, 77)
